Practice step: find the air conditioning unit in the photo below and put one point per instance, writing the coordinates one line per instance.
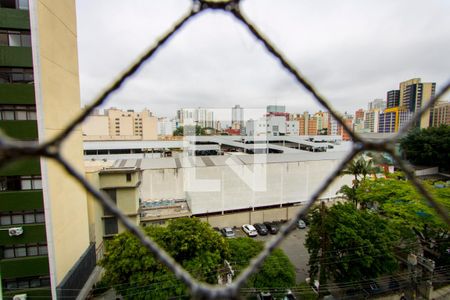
(20, 297)
(15, 231)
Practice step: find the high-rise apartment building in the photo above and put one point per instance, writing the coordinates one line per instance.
(196, 116)
(393, 98)
(237, 117)
(441, 114)
(414, 95)
(117, 124)
(393, 119)
(377, 104)
(44, 230)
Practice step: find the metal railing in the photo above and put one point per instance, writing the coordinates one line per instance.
(14, 150)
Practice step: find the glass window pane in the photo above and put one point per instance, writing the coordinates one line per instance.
(21, 115)
(3, 39)
(8, 115)
(25, 40)
(22, 4)
(43, 250)
(25, 184)
(11, 285)
(17, 219)
(14, 40)
(32, 250)
(23, 284)
(5, 220)
(45, 281)
(40, 218)
(20, 252)
(29, 218)
(17, 77)
(35, 282)
(37, 184)
(8, 253)
(31, 115)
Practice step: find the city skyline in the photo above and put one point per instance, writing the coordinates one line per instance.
(231, 67)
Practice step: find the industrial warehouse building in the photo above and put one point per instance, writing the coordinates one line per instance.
(218, 188)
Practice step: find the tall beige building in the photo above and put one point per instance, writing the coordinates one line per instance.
(441, 114)
(44, 233)
(117, 124)
(414, 94)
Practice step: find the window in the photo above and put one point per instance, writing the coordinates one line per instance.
(15, 75)
(22, 217)
(15, 38)
(128, 176)
(112, 194)
(15, 4)
(111, 226)
(26, 282)
(17, 112)
(23, 250)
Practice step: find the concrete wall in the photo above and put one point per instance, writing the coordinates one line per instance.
(221, 188)
(55, 62)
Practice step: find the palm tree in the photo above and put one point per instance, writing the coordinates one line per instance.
(359, 168)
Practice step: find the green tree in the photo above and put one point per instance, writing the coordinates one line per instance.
(428, 146)
(189, 130)
(136, 274)
(359, 168)
(346, 244)
(277, 270)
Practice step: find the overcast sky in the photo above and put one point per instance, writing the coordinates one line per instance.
(353, 51)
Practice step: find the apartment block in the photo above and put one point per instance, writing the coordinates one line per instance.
(196, 116)
(393, 119)
(393, 98)
(44, 234)
(117, 124)
(414, 95)
(440, 114)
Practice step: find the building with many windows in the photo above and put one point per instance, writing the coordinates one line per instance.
(440, 114)
(414, 94)
(117, 124)
(44, 233)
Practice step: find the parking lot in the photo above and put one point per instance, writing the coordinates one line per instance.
(294, 248)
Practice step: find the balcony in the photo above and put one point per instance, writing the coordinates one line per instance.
(21, 200)
(14, 18)
(17, 93)
(24, 267)
(20, 57)
(25, 130)
(32, 233)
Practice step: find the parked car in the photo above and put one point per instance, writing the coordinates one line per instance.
(289, 295)
(249, 230)
(264, 296)
(227, 232)
(261, 228)
(271, 227)
(301, 224)
(372, 287)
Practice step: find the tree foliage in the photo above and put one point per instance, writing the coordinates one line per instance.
(428, 147)
(359, 168)
(277, 270)
(347, 244)
(136, 274)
